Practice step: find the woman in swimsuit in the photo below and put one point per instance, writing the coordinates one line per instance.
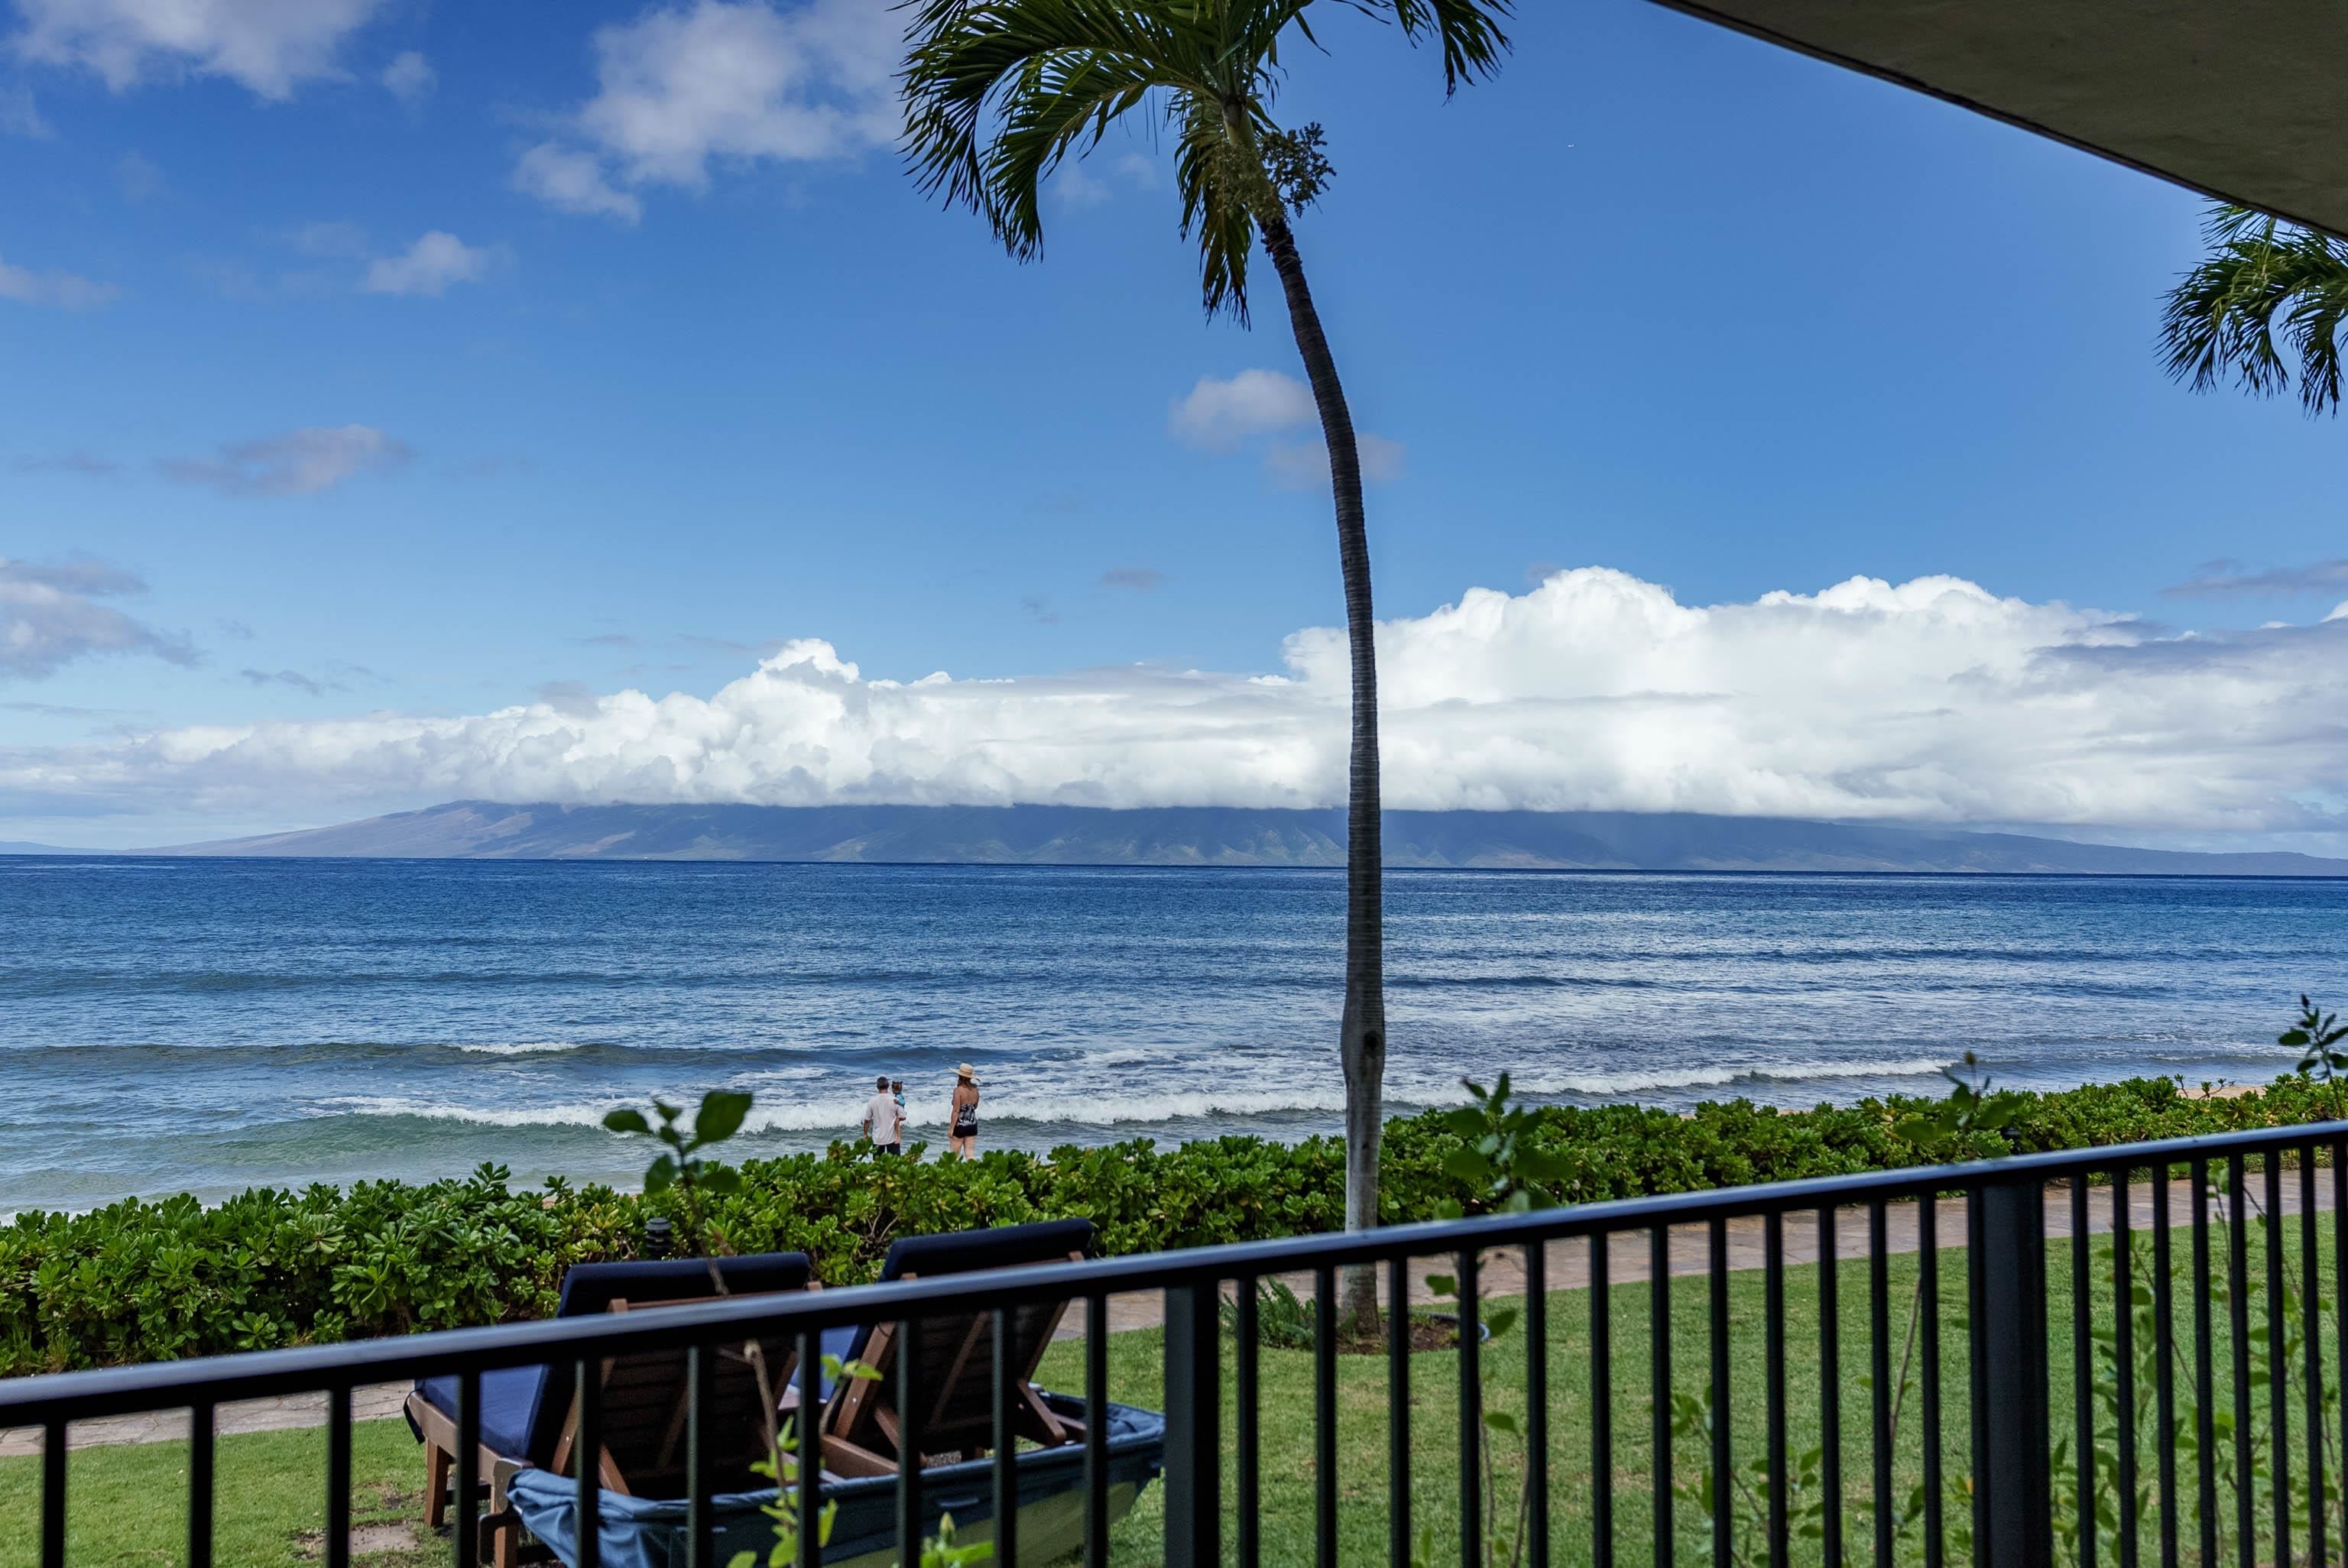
(962, 1114)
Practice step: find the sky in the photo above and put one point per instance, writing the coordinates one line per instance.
(415, 402)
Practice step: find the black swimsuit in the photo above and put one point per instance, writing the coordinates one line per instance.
(965, 1123)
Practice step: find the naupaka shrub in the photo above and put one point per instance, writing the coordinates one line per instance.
(151, 1280)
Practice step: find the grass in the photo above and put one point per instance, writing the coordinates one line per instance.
(126, 1503)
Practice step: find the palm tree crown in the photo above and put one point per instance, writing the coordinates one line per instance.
(2262, 277)
(999, 91)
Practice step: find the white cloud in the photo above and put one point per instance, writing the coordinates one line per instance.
(724, 81)
(1930, 701)
(410, 77)
(62, 289)
(298, 463)
(138, 176)
(48, 617)
(573, 181)
(1219, 414)
(428, 266)
(1305, 465)
(269, 46)
(19, 115)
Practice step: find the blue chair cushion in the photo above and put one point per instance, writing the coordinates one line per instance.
(509, 1404)
(522, 1419)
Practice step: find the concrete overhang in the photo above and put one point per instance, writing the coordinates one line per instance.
(2244, 100)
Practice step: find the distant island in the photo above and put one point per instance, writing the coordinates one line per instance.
(1218, 836)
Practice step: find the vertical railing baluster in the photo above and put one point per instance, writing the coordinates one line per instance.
(2164, 1358)
(201, 1430)
(910, 1424)
(1471, 1416)
(53, 1495)
(1773, 1380)
(2311, 1317)
(2278, 1361)
(1400, 1548)
(1601, 1404)
(338, 1479)
(807, 1437)
(1096, 1427)
(1659, 1353)
(1246, 1411)
(2204, 1396)
(2124, 1438)
(1325, 1416)
(587, 1456)
(700, 1395)
(2083, 1365)
(1829, 1388)
(2238, 1287)
(1006, 1439)
(1194, 1402)
(1879, 1373)
(1535, 1553)
(1928, 1329)
(2340, 1315)
(1724, 1480)
(465, 1521)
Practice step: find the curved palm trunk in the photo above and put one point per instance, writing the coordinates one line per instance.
(1362, 1038)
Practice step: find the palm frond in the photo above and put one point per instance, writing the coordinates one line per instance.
(2261, 278)
(999, 92)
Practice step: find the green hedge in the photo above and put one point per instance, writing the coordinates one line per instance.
(145, 1281)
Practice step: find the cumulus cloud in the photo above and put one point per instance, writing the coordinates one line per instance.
(1219, 414)
(62, 289)
(50, 617)
(410, 77)
(1224, 415)
(2231, 579)
(271, 47)
(437, 260)
(298, 463)
(720, 81)
(1929, 701)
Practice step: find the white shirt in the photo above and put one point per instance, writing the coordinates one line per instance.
(885, 1117)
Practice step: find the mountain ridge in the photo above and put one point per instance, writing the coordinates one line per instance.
(1220, 835)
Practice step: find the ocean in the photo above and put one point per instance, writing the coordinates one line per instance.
(210, 1025)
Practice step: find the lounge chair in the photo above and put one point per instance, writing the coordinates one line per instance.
(860, 1429)
(528, 1418)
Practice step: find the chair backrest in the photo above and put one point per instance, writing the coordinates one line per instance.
(641, 1391)
(956, 1351)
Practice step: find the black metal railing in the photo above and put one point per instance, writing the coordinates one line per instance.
(1796, 1409)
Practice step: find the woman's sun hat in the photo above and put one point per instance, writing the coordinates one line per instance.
(967, 1071)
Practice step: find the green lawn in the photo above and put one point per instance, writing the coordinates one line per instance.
(128, 1503)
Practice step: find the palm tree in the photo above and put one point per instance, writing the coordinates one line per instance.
(998, 92)
(2262, 276)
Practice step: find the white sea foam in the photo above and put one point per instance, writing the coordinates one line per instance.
(524, 1047)
(1642, 1080)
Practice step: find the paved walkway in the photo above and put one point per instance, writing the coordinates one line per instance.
(1568, 1264)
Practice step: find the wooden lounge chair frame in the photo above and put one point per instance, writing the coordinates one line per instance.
(648, 1381)
(861, 1433)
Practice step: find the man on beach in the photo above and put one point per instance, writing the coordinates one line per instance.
(884, 1121)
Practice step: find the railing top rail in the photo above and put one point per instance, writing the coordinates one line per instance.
(166, 1385)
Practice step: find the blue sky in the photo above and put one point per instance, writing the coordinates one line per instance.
(613, 383)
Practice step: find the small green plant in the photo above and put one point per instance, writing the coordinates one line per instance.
(1506, 1170)
(1945, 1130)
(2317, 1035)
(680, 1167)
(1282, 1321)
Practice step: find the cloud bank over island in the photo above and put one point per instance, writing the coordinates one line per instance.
(1930, 700)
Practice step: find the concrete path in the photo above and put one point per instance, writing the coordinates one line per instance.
(1568, 1265)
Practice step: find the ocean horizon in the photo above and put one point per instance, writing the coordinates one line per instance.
(212, 1025)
